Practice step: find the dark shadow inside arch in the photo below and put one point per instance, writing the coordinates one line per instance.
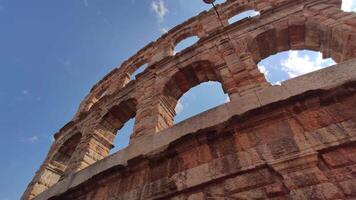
(62, 157)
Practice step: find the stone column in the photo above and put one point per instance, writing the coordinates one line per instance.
(241, 73)
(145, 122)
(92, 148)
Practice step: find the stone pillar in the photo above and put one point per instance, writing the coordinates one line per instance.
(241, 74)
(145, 122)
(92, 148)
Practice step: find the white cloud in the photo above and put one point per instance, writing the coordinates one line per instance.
(179, 108)
(255, 13)
(30, 140)
(227, 99)
(277, 83)
(296, 65)
(349, 5)
(263, 70)
(159, 7)
(164, 30)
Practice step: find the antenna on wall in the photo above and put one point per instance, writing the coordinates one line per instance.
(216, 10)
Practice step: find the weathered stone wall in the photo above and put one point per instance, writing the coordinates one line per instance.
(270, 141)
(294, 141)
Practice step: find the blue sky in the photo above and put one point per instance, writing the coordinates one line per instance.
(53, 52)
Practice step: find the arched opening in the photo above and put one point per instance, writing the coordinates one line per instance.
(198, 99)
(185, 43)
(54, 170)
(117, 122)
(290, 64)
(293, 38)
(62, 157)
(122, 138)
(243, 15)
(139, 70)
(180, 83)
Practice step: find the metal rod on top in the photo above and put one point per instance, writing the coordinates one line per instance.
(216, 10)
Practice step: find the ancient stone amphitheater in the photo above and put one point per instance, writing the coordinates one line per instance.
(293, 141)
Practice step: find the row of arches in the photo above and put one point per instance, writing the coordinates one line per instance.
(179, 39)
(197, 88)
(186, 40)
(200, 77)
(118, 123)
(266, 44)
(263, 43)
(182, 40)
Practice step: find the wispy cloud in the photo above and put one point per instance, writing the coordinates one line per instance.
(349, 5)
(277, 83)
(159, 7)
(179, 108)
(164, 30)
(31, 139)
(296, 65)
(25, 92)
(86, 3)
(2, 8)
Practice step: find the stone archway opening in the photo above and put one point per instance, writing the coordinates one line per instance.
(122, 138)
(118, 124)
(198, 73)
(243, 15)
(198, 99)
(185, 43)
(62, 157)
(290, 64)
(138, 70)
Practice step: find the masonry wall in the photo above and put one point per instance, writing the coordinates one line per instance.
(285, 143)
(295, 141)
